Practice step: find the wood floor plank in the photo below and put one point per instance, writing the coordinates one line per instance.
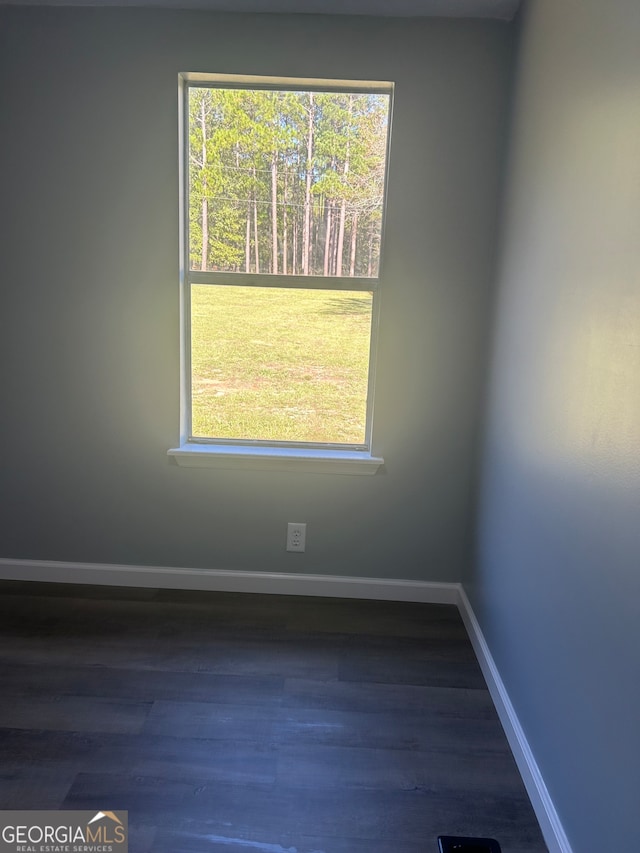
(396, 729)
(365, 696)
(73, 713)
(265, 656)
(37, 680)
(207, 720)
(176, 758)
(388, 669)
(400, 770)
(76, 591)
(28, 787)
(381, 618)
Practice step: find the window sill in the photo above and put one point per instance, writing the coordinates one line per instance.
(276, 458)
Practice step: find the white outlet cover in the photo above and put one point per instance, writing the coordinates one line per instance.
(296, 536)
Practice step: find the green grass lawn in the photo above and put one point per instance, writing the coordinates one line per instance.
(280, 364)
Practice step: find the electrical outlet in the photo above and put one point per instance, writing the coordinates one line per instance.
(296, 536)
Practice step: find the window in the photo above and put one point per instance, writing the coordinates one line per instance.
(282, 193)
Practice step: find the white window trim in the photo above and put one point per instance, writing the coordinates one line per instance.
(269, 458)
(334, 459)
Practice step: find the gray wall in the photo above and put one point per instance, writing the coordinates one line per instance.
(89, 298)
(557, 581)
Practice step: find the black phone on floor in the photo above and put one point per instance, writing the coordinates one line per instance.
(457, 844)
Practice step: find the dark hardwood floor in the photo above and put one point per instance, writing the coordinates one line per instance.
(233, 723)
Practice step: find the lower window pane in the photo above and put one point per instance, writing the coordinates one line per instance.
(279, 364)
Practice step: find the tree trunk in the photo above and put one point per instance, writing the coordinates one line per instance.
(343, 206)
(274, 212)
(340, 247)
(205, 204)
(294, 246)
(284, 223)
(247, 242)
(370, 261)
(205, 233)
(306, 234)
(255, 236)
(354, 237)
(255, 224)
(314, 240)
(327, 241)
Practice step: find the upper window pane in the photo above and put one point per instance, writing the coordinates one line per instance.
(286, 182)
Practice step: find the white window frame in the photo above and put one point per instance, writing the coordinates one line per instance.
(258, 454)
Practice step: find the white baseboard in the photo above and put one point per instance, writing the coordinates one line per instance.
(163, 577)
(550, 824)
